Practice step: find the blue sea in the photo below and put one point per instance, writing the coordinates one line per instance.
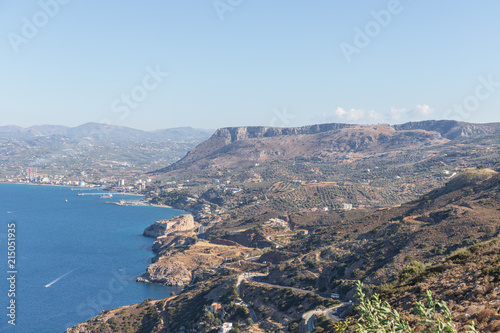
(73, 259)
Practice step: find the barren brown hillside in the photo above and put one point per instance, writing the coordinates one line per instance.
(244, 146)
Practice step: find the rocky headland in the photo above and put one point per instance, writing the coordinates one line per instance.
(182, 223)
(180, 256)
(178, 231)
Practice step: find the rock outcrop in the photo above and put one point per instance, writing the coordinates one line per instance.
(177, 231)
(232, 134)
(179, 268)
(450, 129)
(174, 274)
(179, 223)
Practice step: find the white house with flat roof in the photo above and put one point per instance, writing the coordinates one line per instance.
(226, 327)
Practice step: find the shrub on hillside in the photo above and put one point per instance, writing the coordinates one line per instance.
(380, 317)
(413, 268)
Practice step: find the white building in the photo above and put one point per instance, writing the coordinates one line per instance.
(226, 327)
(347, 206)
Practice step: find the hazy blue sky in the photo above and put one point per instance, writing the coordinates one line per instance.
(242, 62)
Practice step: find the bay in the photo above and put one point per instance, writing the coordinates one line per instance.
(75, 256)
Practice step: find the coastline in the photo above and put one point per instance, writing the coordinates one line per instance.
(146, 204)
(18, 183)
(127, 263)
(140, 204)
(78, 187)
(165, 206)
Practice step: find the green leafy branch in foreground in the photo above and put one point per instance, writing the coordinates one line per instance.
(380, 317)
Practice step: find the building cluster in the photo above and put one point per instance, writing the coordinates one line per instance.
(316, 209)
(277, 223)
(31, 175)
(206, 211)
(216, 308)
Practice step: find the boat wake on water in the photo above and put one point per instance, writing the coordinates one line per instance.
(59, 278)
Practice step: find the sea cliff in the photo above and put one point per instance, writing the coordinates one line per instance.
(177, 231)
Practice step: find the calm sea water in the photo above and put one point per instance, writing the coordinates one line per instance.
(73, 259)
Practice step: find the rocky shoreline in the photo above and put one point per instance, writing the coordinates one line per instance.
(175, 232)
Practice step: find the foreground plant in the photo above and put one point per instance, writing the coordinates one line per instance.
(380, 317)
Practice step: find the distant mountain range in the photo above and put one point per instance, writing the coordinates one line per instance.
(106, 132)
(244, 146)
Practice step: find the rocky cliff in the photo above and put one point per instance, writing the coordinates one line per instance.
(451, 129)
(232, 134)
(177, 231)
(178, 268)
(176, 224)
(243, 146)
(173, 274)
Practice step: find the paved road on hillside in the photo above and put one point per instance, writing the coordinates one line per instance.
(252, 312)
(332, 313)
(278, 245)
(257, 277)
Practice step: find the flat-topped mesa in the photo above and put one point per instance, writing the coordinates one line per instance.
(450, 129)
(232, 134)
(447, 128)
(234, 147)
(181, 223)
(223, 138)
